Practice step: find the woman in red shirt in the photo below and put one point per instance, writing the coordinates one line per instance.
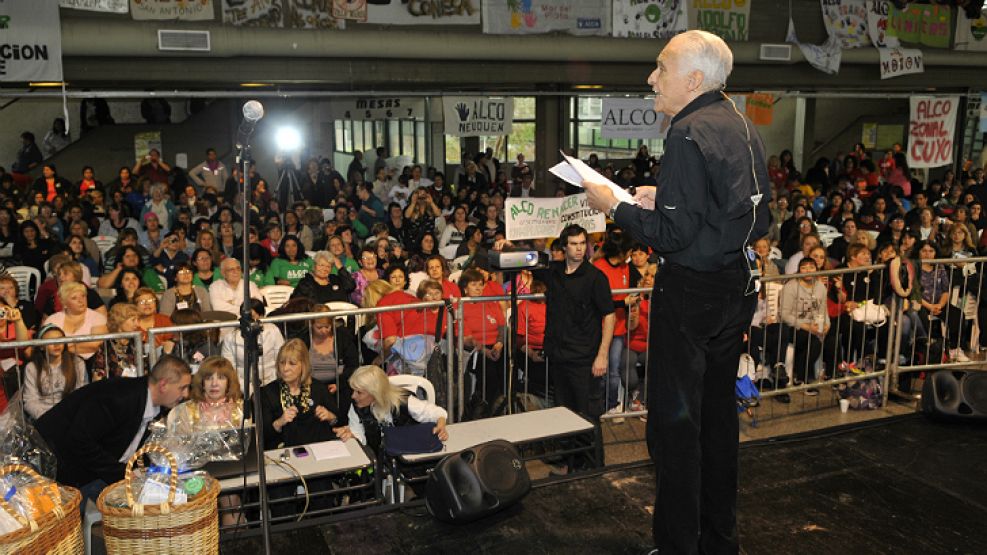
(531, 341)
(483, 331)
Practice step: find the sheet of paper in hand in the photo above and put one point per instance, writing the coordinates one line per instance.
(575, 171)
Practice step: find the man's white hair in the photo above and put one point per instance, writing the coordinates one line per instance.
(706, 53)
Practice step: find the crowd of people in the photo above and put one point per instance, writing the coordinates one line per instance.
(874, 211)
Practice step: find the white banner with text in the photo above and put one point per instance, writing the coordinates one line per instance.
(536, 218)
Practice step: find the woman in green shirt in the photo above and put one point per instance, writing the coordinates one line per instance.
(291, 265)
(338, 249)
(204, 270)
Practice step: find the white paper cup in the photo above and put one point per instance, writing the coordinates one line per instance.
(844, 405)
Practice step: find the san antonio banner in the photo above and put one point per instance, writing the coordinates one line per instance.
(535, 218)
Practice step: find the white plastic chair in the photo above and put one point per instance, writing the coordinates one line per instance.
(275, 296)
(90, 516)
(416, 385)
(340, 305)
(25, 275)
(104, 243)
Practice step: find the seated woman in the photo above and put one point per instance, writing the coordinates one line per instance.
(400, 323)
(69, 272)
(194, 346)
(367, 273)
(336, 246)
(215, 402)
(118, 357)
(130, 257)
(128, 282)
(377, 403)
(802, 308)
(77, 247)
(322, 285)
(184, 294)
(148, 317)
(483, 331)
(295, 408)
(291, 265)
(76, 319)
(205, 270)
(51, 374)
(334, 357)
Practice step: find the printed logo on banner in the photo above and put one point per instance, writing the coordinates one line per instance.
(896, 62)
(971, 34)
(536, 218)
(632, 118)
(474, 116)
(931, 128)
(659, 19)
(30, 42)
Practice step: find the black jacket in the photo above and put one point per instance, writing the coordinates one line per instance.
(91, 428)
(305, 428)
(338, 289)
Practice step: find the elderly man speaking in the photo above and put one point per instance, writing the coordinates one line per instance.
(710, 204)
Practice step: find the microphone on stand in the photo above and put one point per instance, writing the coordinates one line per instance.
(253, 111)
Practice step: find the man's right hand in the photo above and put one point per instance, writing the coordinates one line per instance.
(646, 196)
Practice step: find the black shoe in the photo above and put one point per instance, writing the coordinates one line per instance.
(783, 398)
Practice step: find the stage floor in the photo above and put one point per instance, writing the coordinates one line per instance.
(898, 485)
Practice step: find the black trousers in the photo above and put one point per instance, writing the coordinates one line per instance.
(697, 325)
(576, 388)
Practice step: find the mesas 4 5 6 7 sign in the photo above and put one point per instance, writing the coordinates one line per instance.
(378, 108)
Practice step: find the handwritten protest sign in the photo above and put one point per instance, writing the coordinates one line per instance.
(730, 19)
(534, 218)
(927, 24)
(900, 61)
(931, 130)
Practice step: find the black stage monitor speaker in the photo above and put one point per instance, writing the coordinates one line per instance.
(476, 482)
(955, 394)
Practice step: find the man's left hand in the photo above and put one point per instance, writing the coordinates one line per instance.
(600, 366)
(599, 196)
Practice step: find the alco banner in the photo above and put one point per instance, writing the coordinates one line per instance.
(108, 6)
(648, 19)
(926, 24)
(422, 12)
(377, 108)
(524, 17)
(252, 13)
(188, 10)
(30, 41)
(730, 19)
(847, 21)
(931, 129)
(877, 24)
(476, 116)
(632, 118)
(971, 34)
(537, 218)
(896, 62)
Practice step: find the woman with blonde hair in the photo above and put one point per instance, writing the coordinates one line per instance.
(77, 319)
(377, 403)
(118, 357)
(295, 408)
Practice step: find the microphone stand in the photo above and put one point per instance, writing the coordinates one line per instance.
(250, 332)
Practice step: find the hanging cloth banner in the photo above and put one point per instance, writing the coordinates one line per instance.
(477, 116)
(537, 218)
(30, 41)
(525, 17)
(417, 12)
(186, 10)
(729, 19)
(760, 108)
(877, 24)
(648, 19)
(256, 13)
(847, 21)
(825, 57)
(107, 6)
(632, 118)
(931, 129)
(896, 62)
(927, 24)
(355, 10)
(971, 34)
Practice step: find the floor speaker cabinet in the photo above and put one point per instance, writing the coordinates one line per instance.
(477, 482)
(955, 395)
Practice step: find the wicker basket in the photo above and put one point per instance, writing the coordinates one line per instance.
(58, 532)
(191, 528)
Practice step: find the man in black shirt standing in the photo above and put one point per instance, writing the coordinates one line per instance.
(579, 323)
(710, 203)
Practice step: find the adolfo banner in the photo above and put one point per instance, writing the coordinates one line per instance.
(524, 17)
(30, 41)
(931, 130)
(536, 218)
(648, 19)
(476, 116)
(632, 118)
(423, 12)
(188, 10)
(730, 19)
